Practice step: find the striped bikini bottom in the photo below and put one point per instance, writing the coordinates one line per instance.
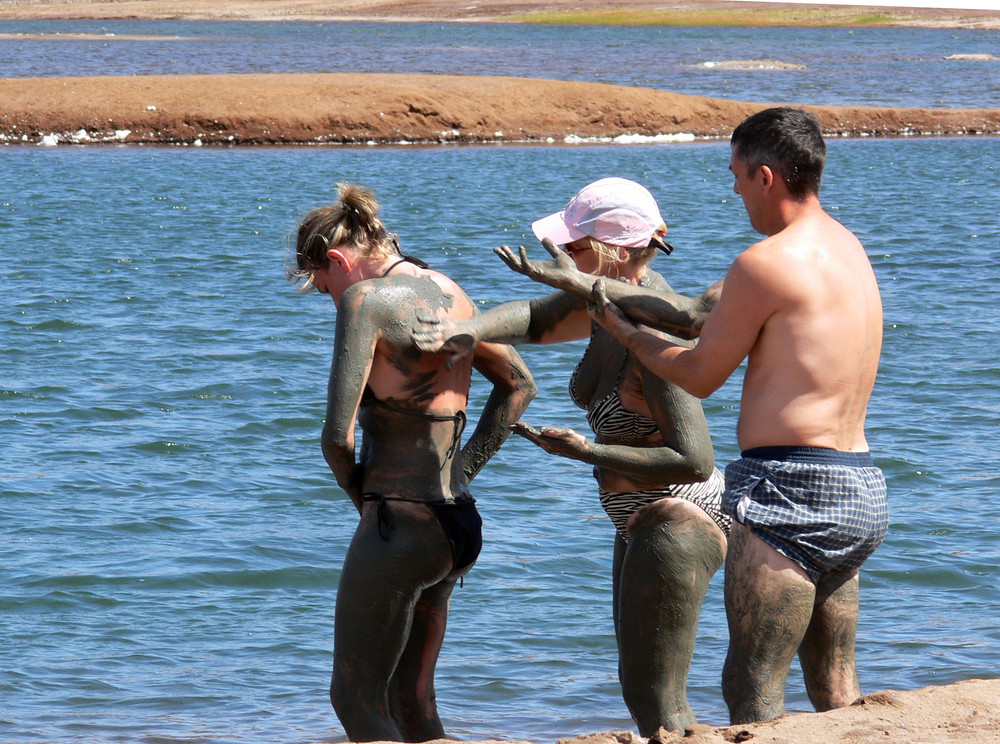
(620, 505)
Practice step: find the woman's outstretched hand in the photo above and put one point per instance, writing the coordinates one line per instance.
(559, 272)
(433, 334)
(554, 440)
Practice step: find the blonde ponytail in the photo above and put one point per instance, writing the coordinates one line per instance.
(352, 221)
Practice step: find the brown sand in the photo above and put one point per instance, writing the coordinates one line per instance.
(344, 108)
(961, 713)
(275, 109)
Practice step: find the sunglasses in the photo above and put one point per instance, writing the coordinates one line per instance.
(663, 245)
(656, 240)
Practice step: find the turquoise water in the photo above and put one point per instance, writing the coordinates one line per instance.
(171, 538)
(863, 66)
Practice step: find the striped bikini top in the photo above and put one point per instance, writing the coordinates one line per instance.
(609, 419)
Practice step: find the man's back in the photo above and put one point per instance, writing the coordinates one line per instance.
(811, 370)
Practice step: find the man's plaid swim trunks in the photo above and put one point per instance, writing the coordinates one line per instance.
(824, 509)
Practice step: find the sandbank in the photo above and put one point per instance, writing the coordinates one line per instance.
(350, 109)
(317, 109)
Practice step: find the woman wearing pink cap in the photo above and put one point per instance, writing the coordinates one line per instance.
(652, 454)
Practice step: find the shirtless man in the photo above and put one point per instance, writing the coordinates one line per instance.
(809, 506)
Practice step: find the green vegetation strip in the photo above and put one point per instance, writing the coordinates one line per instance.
(627, 17)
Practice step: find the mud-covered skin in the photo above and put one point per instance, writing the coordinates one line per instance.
(803, 309)
(377, 315)
(774, 611)
(680, 451)
(661, 575)
(661, 308)
(392, 601)
(660, 580)
(655, 305)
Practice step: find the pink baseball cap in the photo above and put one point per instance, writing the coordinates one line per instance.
(613, 210)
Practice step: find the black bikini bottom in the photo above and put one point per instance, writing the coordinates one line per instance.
(459, 519)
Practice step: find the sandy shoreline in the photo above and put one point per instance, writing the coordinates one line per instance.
(964, 712)
(960, 713)
(318, 109)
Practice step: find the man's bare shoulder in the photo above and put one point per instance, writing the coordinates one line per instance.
(774, 274)
(762, 262)
(804, 247)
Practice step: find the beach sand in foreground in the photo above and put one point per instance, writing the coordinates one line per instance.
(960, 713)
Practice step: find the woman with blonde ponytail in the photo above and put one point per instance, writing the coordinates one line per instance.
(419, 530)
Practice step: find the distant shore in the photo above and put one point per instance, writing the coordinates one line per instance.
(678, 12)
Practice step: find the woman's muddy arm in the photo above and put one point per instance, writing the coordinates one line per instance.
(658, 307)
(686, 454)
(551, 319)
(665, 310)
(513, 389)
(354, 349)
(648, 467)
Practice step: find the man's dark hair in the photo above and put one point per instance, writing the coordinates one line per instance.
(787, 140)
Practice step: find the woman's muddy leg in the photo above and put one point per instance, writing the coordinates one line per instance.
(617, 561)
(411, 689)
(380, 585)
(769, 601)
(673, 551)
(827, 651)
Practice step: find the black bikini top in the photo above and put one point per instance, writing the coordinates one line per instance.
(407, 259)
